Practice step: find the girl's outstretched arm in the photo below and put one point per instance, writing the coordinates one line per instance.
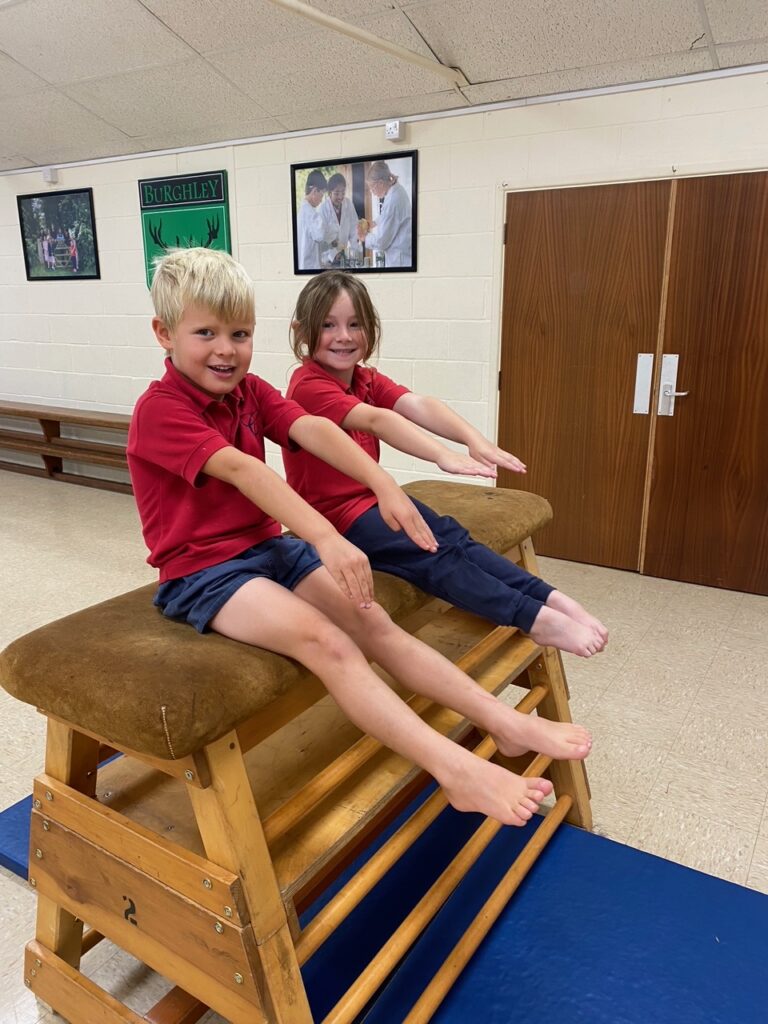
(320, 437)
(253, 478)
(434, 415)
(400, 433)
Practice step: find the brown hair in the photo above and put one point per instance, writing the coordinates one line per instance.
(313, 303)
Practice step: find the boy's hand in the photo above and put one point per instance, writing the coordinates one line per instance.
(349, 567)
(399, 513)
(487, 452)
(464, 465)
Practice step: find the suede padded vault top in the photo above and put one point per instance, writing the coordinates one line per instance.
(124, 672)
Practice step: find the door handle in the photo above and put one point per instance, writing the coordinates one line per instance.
(668, 385)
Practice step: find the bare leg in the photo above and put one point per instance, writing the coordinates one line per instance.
(267, 615)
(424, 671)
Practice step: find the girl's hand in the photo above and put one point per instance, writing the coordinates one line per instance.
(399, 513)
(349, 567)
(464, 465)
(487, 452)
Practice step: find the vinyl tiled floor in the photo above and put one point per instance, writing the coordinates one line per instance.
(678, 705)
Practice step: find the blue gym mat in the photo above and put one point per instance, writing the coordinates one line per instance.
(598, 933)
(14, 836)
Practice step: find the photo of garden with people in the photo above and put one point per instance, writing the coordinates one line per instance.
(58, 235)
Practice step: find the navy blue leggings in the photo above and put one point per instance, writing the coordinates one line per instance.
(463, 572)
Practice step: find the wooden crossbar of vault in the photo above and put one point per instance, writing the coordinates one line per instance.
(201, 867)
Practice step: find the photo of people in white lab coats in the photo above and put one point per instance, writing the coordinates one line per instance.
(358, 215)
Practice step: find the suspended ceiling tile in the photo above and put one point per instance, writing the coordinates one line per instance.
(76, 151)
(496, 39)
(79, 39)
(168, 98)
(593, 77)
(234, 24)
(348, 10)
(15, 79)
(12, 163)
(737, 20)
(66, 124)
(395, 27)
(389, 108)
(224, 132)
(733, 55)
(288, 78)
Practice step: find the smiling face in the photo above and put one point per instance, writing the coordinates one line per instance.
(342, 343)
(337, 196)
(315, 196)
(213, 354)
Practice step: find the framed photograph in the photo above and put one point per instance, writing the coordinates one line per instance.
(184, 211)
(58, 235)
(356, 214)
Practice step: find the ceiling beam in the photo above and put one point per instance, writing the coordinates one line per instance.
(455, 77)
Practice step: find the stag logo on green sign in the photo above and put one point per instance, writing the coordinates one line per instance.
(183, 212)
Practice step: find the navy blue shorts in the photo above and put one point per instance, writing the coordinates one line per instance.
(199, 597)
(462, 571)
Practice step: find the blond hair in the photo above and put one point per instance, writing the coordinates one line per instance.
(314, 302)
(201, 277)
(379, 171)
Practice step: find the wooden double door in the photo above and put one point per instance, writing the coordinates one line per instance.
(640, 478)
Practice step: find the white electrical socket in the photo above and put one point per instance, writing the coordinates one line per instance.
(394, 131)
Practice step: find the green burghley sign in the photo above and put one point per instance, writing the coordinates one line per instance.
(182, 212)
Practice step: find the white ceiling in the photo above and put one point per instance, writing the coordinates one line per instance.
(82, 79)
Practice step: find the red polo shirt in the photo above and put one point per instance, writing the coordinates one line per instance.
(190, 520)
(337, 496)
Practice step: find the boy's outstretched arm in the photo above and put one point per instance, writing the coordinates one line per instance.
(434, 415)
(256, 481)
(400, 433)
(320, 437)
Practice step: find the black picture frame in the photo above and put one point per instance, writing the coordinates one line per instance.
(58, 235)
(394, 232)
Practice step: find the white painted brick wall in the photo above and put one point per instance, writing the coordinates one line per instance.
(90, 344)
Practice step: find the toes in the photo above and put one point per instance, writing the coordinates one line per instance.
(538, 789)
(516, 819)
(531, 805)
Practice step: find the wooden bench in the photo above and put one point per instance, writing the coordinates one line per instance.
(244, 792)
(53, 448)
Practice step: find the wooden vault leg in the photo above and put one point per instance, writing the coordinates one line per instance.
(568, 777)
(234, 839)
(71, 758)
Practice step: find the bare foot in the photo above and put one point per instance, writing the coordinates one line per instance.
(519, 733)
(554, 629)
(562, 603)
(477, 785)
